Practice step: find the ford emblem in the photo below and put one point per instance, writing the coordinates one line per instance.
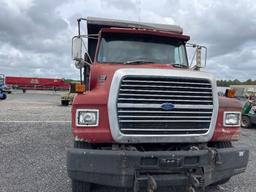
(167, 106)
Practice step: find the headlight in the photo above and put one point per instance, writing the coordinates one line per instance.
(232, 119)
(87, 117)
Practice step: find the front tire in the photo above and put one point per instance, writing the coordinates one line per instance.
(246, 122)
(82, 145)
(221, 144)
(221, 182)
(80, 186)
(64, 102)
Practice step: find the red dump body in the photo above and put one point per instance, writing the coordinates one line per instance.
(34, 83)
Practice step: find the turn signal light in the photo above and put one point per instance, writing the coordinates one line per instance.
(80, 88)
(230, 93)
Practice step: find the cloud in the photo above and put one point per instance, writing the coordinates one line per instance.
(35, 35)
(35, 40)
(33, 28)
(122, 5)
(24, 63)
(230, 24)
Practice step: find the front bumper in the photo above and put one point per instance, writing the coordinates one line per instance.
(133, 169)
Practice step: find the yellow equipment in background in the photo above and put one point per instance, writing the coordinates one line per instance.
(67, 98)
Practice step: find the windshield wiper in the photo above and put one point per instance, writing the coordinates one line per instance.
(138, 62)
(179, 66)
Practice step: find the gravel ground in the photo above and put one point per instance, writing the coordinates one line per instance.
(35, 134)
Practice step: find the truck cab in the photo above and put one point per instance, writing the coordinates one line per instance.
(147, 119)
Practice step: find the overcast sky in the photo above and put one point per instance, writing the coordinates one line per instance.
(35, 35)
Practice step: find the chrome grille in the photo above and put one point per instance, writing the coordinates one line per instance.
(140, 99)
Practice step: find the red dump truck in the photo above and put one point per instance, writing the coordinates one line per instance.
(35, 83)
(144, 119)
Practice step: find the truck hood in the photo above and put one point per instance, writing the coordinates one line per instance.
(102, 74)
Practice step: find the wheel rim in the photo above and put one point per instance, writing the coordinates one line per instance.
(245, 122)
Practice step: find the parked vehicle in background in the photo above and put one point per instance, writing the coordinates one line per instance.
(34, 83)
(244, 92)
(67, 97)
(143, 119)
(3, 87)
(249, 114)
(3, 96)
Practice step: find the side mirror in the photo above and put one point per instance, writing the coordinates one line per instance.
(198, 57)
(77, 48)
(199, 65)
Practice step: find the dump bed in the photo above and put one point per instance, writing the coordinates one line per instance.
(94, 25)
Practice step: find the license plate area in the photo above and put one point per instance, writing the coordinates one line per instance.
(163, 163)
(169, 163)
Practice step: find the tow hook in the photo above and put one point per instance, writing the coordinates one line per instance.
(197, 182)
(191, 189)
(152, 185)
(218, 159)
(215, 156)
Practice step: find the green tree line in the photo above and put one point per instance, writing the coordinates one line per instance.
(227, 83)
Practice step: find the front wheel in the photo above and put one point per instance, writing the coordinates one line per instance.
(246, 122)
(80, 186)
(221, 182)
(64, 102)
(82, 145)
(221, 144)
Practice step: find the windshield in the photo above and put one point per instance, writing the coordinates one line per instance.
(141, 48)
